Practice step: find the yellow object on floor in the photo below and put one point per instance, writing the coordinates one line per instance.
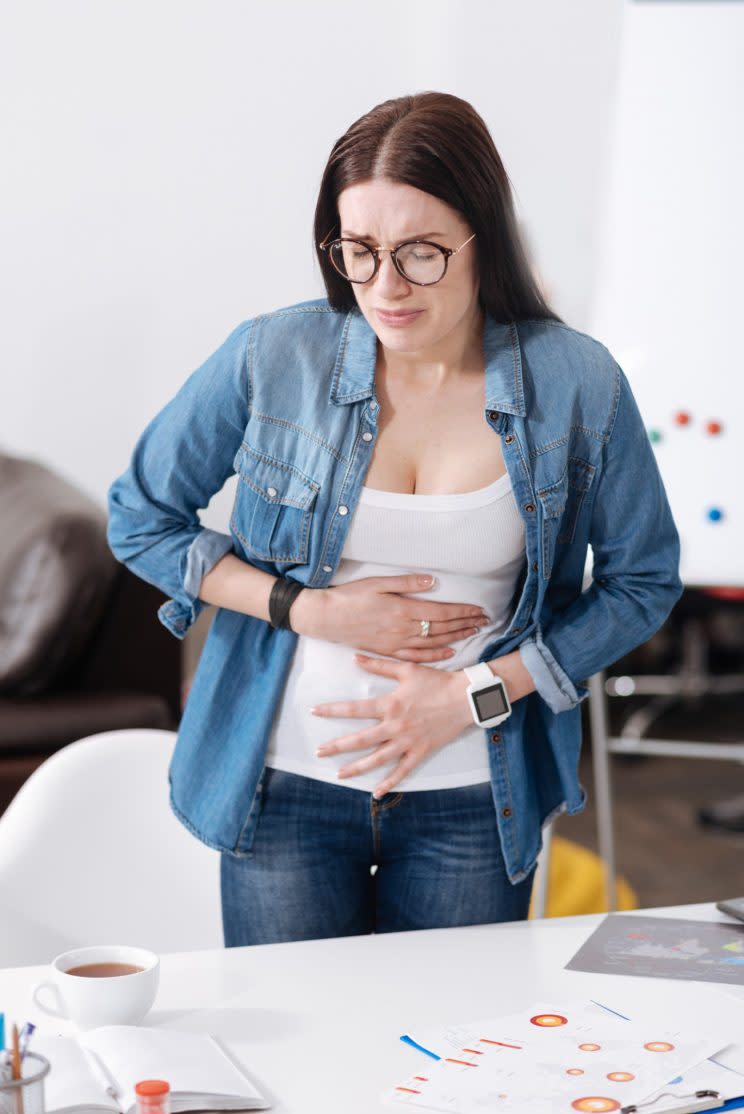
(576, 882)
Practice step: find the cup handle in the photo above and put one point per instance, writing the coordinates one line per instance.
(36, 996)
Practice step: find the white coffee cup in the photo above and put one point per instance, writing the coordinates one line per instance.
(121, 999)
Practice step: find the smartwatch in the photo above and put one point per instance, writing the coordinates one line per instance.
(487, 695)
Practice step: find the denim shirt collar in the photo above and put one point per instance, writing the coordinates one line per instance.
(354, 373)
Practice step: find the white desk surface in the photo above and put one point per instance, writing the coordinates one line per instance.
(317, 1023)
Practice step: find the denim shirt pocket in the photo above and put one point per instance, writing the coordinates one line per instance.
(561, 503)
(273, 507)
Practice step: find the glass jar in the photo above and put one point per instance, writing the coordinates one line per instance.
(153, 1096)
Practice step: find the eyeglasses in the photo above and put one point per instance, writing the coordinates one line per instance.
(419, 261)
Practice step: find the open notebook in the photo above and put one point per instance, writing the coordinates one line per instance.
(97, 1071)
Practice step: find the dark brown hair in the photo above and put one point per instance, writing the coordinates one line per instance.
(438, 143)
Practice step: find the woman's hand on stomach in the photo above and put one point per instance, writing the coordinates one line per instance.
(426, 710)
(374, 614)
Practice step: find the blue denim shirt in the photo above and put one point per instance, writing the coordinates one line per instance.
(285, 402)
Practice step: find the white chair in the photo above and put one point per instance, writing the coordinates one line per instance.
(91, 853)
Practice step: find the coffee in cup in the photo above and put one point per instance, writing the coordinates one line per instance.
(106, 984)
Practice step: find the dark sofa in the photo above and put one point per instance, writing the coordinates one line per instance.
(81, 648)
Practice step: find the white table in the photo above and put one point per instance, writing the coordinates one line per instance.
(317, 1023)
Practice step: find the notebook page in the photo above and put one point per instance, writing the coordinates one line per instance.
(70, 1084)
(193, 1064)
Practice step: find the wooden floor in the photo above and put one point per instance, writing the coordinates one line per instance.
(662, 850)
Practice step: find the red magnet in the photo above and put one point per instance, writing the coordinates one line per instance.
(682, 417)
(714, 427)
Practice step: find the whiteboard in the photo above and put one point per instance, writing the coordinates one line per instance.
(669, 296)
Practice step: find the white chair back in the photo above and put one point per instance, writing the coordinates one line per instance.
(90, 853)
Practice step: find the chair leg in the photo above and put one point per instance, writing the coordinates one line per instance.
(727, 815)
(602, 784)
(542, 874)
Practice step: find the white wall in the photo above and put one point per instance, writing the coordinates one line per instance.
(161, 162)
(668, 289)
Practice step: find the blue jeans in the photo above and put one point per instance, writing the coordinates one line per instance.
(307, 875)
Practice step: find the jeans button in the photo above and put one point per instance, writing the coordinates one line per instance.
(506, 812)
(495, 737)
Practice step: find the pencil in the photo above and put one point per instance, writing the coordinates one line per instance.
(15, 1063)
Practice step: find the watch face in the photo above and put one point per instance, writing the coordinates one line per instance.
(490, 702)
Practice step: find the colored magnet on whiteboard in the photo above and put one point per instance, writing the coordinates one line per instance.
(654, 436)
(715, 514)
(713, 427)
(682, 417)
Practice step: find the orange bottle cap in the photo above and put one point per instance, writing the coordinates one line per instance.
(152, 1087)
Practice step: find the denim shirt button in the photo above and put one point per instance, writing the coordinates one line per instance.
(366, 436)
(506, 812)
(271, 491)
(517, 630)
(494, 415)
(509, 438)
(343, 510)
(495, 737)
(327, 568)
(529, 507)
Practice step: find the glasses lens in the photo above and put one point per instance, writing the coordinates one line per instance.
(353, 260)
(421, 262)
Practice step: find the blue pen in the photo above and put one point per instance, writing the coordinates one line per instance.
(26, 1033)
(420, 1047)
(3, 1055)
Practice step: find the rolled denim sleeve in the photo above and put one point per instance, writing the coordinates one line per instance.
(181, 459)
(551, 681)
(635, 576)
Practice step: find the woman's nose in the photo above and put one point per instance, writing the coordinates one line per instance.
(387, 277)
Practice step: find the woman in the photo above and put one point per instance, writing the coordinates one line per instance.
(431, 417)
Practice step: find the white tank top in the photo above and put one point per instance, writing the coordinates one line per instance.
(473, 543)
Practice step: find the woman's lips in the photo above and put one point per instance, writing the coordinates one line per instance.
(399, 318)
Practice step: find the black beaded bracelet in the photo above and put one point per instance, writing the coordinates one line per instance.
(282, 596)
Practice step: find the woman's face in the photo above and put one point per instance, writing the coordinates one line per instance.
(384, 213)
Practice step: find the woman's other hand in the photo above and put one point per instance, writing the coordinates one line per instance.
(375, 614)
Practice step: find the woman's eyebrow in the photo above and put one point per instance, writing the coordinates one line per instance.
(402, 240)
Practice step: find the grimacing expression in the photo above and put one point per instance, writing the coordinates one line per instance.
(382, 212)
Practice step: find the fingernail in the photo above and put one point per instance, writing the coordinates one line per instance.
(424, 580)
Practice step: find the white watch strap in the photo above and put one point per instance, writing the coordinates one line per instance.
(480, 674)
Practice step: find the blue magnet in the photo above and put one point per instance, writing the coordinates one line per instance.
(715, 514)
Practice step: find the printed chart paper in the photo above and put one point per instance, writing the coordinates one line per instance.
(558, 1058)
(666, 948)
